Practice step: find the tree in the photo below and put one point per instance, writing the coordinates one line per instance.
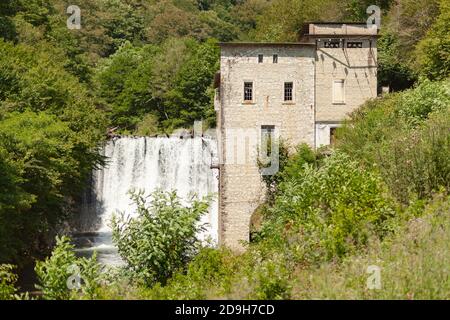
(409, 21)
(283, 19)
(45, 165)
(392, 71)
(192, 96)
(433, 51)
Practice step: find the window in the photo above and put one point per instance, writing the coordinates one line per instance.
(267, 138)
(248, 91)
(267, 132)
(260, 58)
(338, 91)
(333, 43)
(353, 44)
(332, 136)
(267, 129)
(288, 91)
(275, 58)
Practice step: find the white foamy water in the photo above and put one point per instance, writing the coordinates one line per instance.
(144, 163)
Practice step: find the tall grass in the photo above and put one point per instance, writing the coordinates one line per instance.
(414, 264)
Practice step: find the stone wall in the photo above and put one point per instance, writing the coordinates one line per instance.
(312, 67)
(356, 66)
(241, 189)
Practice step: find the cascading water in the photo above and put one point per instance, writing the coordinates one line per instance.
(145, 163)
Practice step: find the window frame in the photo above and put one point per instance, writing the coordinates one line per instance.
(333, 94)
(252, 91)
(266, 129)
(292, 92)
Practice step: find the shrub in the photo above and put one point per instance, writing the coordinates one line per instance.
(328, 212)
(433, 51)
(405, 137)
(416, 164)
(281, 154)
(268, 277)
(415, 106)
(162, 238)
(413, 263)
(62, 274)
(7, 282)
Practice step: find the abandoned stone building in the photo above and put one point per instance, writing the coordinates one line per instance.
(299, 92)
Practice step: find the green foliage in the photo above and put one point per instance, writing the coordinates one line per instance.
(415, 106)
(148, 126)
(49, 128)
(303, 155)
(413, 264)
(392, 71)
(276, 150)
(161, 239)
(408, 21)
(355, 10)
(192, 96)
(417, 164)
(7, 282)
(433, 51)
(283, 19)
(209, 273)
(269, 279)
(413, 260)
(405, 137)
(44, 163)
(172, 81)
(329, 211)
(54, 272)
(58, 275)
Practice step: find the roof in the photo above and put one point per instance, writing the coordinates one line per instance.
(336, 29)
(332, 22)
(265, 44)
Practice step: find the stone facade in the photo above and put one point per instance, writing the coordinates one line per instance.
(327, 83)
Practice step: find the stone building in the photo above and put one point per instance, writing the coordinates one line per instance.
(297, 91)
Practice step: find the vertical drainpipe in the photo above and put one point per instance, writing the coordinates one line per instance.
(315, 95)
(221, 143)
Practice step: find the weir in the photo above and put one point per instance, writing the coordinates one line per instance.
(144, 163)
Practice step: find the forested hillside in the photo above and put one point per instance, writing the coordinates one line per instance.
(146, 67)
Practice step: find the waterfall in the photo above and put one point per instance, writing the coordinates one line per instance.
(145, 163)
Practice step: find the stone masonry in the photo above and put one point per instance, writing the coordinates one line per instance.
(330, 72)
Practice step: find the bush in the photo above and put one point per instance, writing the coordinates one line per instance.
(328, 212)
(281, 153)
(415, 106)
(207, 271)
(7, 282)
(268, 278)
(62, 274)
(162, 238)
(45, 164)
(413, 263)
(433, 51)
(404, 136)
(415, 165)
